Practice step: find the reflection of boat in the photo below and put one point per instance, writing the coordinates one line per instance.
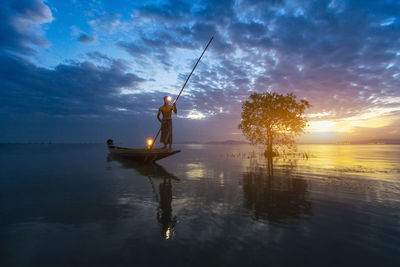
(149, 170)
(142, 155)
(164, 195)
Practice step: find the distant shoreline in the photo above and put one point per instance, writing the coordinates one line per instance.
(226, 142)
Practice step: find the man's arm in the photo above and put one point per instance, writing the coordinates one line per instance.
(174, 108)
(158, 115)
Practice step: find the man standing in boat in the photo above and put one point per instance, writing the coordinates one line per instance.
(166, 121)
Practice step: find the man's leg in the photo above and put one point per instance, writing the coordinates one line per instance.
(163, 138)
(170, 134)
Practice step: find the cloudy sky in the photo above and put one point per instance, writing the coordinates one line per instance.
(85, 71)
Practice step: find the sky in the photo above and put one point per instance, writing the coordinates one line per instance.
(86, 71)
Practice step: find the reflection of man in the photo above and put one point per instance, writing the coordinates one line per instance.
(166, 121)
(164, 215)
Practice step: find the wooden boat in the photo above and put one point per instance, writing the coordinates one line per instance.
(143, 155)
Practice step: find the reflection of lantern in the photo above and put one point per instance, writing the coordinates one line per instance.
(149, 142)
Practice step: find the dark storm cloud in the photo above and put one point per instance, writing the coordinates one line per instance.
(84, 38)
(180, 24)
(80, 88)
(168, 11)
(162, 42)
(141, 50)
(19, 21)
(341, 55)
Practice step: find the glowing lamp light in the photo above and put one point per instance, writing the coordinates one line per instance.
(168, 233)
(149, 142)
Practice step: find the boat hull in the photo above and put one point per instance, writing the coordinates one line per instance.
(143, 155)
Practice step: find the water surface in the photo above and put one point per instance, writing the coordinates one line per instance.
(73, 205)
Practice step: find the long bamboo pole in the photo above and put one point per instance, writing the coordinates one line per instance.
(176, 99)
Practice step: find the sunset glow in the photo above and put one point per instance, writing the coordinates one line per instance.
(376, 118)
(121, 61)
(200, 133)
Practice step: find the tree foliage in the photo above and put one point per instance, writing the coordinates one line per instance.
(271, 118)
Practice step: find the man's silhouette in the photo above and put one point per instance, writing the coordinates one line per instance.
(166, 121)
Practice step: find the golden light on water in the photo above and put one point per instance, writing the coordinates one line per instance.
(330, 162)
(196, 170)
(357, 160)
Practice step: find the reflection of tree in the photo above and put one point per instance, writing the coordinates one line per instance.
(164, 197)
(275, 198)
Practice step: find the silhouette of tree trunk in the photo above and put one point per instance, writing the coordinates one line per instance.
(273, 119)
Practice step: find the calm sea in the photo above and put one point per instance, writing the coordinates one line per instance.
(210, 205)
